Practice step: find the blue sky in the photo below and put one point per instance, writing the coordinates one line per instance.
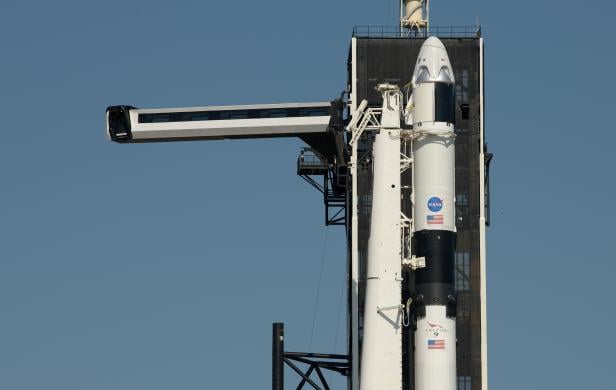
(162, 266)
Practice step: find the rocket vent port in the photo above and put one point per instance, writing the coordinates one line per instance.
(464, 110)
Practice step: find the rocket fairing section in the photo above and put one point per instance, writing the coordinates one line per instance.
(431, 113)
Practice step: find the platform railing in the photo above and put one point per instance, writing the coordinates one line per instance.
(398, 32)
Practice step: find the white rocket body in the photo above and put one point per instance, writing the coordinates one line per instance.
(432, 118)
(381, 363)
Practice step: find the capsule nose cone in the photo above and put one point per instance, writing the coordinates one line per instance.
(434, 42)
(433, 64)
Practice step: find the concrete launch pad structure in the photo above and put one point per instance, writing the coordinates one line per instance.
(340, 162)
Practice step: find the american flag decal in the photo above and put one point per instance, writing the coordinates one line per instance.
(436, 344)
(435, 219)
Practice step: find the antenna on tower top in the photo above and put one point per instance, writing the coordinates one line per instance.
(415, 17)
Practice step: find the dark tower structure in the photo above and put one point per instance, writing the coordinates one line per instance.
(379, 55)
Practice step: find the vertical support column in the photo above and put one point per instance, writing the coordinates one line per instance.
(482, 228)
(354, 264)
(278, 356)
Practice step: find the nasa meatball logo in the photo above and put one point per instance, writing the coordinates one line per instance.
(435, 204)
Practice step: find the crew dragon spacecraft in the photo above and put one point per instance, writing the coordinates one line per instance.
(402, 164)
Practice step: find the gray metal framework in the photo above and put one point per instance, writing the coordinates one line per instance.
(316, 363)
(315, 169)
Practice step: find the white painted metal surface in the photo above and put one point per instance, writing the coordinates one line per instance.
(434, 206)
(354, 271)
(164, 128)
(434, 190)
(482, 230)
(414, 14)
(229, 128)
(364, 119)
(433, 65)
(435, 350)
(423, 112)
(381, 361)
(433, 142)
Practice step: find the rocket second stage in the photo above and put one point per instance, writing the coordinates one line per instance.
(431, 112)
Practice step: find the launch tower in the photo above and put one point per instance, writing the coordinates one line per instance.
(340, 162)
(385, 55)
